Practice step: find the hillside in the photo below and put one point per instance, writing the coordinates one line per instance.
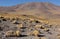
(36, 20)
(45, 10)
(26, 27)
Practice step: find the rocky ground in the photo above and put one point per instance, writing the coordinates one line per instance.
(27, 28)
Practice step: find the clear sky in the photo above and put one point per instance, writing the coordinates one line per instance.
(15, 2)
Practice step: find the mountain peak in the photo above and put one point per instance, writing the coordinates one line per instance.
(30, 6)
(33, 5)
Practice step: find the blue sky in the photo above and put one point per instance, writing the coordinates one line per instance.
(15, 2)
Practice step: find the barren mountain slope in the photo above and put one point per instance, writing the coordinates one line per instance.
(30, 21)
(45, 10)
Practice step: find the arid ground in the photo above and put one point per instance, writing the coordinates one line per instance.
(36, 20)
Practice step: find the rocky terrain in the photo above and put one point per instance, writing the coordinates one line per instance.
(27, 27)
(30, 21)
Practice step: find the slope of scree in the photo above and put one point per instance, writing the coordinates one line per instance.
(13, 26)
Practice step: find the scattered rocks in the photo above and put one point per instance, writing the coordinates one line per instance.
(29, 27)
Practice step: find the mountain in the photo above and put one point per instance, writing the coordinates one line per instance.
(30, 21)
(41, 9)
